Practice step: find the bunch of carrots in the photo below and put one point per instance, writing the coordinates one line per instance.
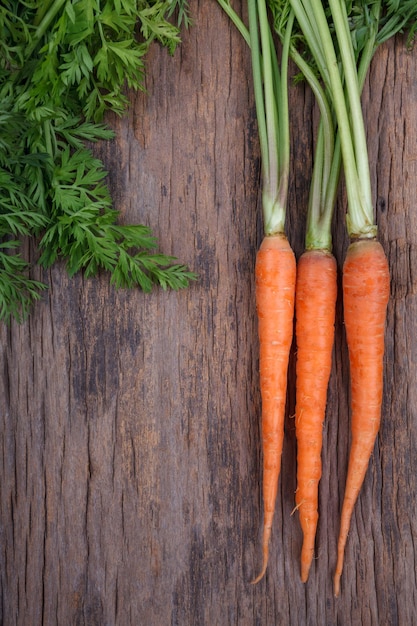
(333, 50)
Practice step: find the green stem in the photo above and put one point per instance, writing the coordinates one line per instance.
(322, 207)
(45, 22)
(271, 100)
(360, 211)
(361, 217)
(327, 158)
(272, 129)
(326, 119)
(311, 34)
(318, 228)
(370, 47)
(316, 236)
(48, 138)
(225, 4)
(284, 119)
(41, 11)
(257, 82)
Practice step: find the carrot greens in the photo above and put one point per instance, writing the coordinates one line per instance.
(63, 65)
(271, 98)
(341, 48)
(270, 82)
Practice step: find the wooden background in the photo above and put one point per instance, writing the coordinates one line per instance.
(129, 423)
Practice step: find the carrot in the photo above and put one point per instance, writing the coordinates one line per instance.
(315, 303)
(275, 270)
(365, 296)
(275, 274)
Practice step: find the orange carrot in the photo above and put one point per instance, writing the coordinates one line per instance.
(315, 303)
(275, 275)
(365, 296)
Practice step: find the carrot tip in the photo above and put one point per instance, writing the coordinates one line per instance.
(336, 585)
(256, 580)
(261, 574)
(305, 569)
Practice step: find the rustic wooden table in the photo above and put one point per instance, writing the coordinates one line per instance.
(130, 436)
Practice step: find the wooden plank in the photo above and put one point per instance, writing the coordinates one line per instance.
(130, 448)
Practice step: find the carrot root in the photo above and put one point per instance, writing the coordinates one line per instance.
(275, 275)
(366, 285)
(315, 303)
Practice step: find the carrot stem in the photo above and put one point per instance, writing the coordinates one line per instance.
(46, 13)
(271, 101)
(234, 17)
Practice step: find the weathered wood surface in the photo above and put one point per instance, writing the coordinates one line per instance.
(130, 449)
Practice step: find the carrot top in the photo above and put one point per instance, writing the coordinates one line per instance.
(270, 82)
(341, 39)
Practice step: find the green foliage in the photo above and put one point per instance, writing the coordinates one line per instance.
(386, 18)
(63, 64)
(17, 290)
(398, 16)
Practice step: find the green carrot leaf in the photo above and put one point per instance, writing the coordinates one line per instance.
(63, 65)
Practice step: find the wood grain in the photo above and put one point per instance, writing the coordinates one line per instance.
(129, 432)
